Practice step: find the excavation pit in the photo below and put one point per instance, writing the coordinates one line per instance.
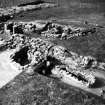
(21, 56)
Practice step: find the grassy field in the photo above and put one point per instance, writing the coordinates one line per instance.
(91, 10)
(40, 90)
(69, 9)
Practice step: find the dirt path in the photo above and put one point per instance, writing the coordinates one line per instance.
(7, 69)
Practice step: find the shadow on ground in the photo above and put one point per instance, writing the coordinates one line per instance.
(100, 82)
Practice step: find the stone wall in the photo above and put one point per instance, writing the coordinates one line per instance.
(50, 30)
(44, 54)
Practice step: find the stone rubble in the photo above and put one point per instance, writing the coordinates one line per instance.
(66, 32)
(62, 72)
(36, 51)
(48, 29)
(23, 27)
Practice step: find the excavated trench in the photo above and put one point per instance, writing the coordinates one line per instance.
(32, 3)
(79, 77)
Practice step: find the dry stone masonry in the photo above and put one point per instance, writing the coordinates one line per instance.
(47, 57)
(47, 29)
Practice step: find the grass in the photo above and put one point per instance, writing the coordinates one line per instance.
(40, 90)
(69, 9)
(6, 3)
(92, 44)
